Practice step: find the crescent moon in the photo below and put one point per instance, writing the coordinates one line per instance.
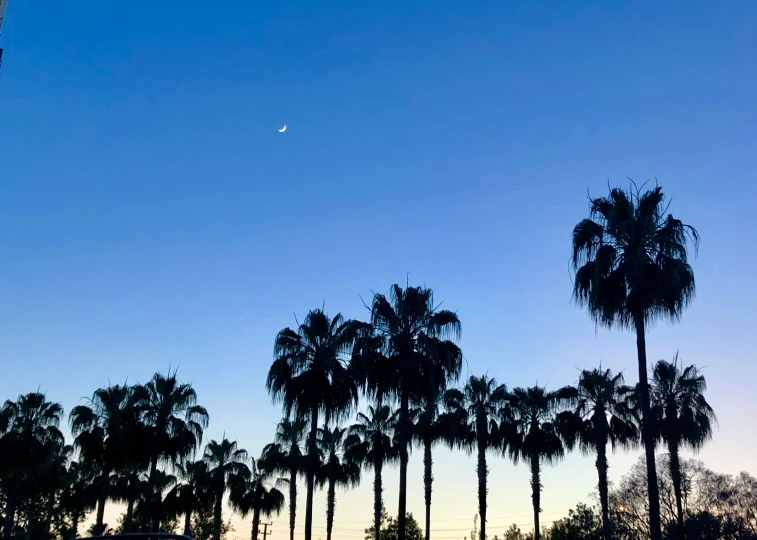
(282, 130)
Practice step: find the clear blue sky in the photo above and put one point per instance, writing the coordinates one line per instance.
(152, 216)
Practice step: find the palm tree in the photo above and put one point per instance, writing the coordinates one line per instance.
(407, 357)
(310, 376)
(371, 443)
(104, 432)
(80, 494)
(251, 492)
(51, 475)
(631, 268)
(683, 417)
(284, 456)
(602, 414)
(175, 421)
(224, 460)
(335, 470)
(30, 432)
(471, 421)
(192, 493)
(533, 434)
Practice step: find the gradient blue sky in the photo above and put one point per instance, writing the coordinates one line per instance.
(151, 215)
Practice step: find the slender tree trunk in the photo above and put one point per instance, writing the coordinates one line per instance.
(655, 529)
(218, 510)
(330, 505)
(101, 500)
(75, 526)
(49, 514)
(10, 516)
(403, 441)
(30, 518)
(675, 473)
(602, 467)
(378, 504)
(292, 501)
(147, 521)
(188, 522)
(482, 471)
(311, 470)
(428, 480)
(536, 494)
(255, 523)
(129, 520)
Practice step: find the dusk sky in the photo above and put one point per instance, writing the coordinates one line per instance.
(151, 216)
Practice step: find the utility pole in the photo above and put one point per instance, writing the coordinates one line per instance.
(265, 530)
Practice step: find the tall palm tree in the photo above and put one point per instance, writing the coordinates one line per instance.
(471, 421)
(284, 456)
(370, 443)
(683, 417)
(29, 434)
(193, 492)
(251, 492)
(336, 470)
(104, 431)
(80, 494)
(310, 377)
(175, 421)
(407, 357)
(224, 460)
(533, 434)
(631, 269)
(602, 413)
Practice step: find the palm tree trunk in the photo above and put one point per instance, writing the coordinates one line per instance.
(428, 479)
(482, 471)
(536, 494)
(30, 522)
(10, 515)
(330, 505)
(255, 523)
(49, 514)
(128, 521)
(151, 479)
(378, 504)
(311, 470)
(292, 501)
(602, 467)
(101, 500)
(403, 442)
(218, 510)
(675, 473)
(188, 522)
(655, 529)
(75, 525)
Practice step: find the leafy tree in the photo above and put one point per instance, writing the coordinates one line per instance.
(370, 443)
(285, 456)
(583, 523)
(407, 357)
(224, 460)
(631, 268)
(472, 422)
(251, 492)
(683, 418)
(513, 533)
(389, 529)
(28, 435)
(533, 434)
(602, 414)
(175, 422)
(335, 470)
(310, 376)
(106, 433)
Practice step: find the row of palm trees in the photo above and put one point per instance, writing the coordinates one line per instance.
(631, 268)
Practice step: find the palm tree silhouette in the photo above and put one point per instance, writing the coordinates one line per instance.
(602, 413)
(533, 434)
(335, 471)
(79, 497)
(176, 423)
(471, 421)
(683, 418)
(250, 492)
(370, 443)
(631, 268)
(285, 456)
(310, 377)
(407, 357)
(193, 492)
(105, 430)
(224, 460)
